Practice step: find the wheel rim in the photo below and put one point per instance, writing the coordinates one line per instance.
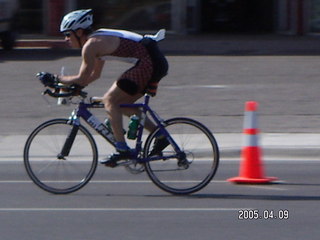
(202, 157)
(54, 174)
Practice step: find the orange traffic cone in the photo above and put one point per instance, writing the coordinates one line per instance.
(251, 168)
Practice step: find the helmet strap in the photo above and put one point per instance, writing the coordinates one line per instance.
(78, 38)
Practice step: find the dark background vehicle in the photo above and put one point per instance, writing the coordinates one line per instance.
(8, 11)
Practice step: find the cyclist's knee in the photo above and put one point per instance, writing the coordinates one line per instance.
(112, 99)
(109, 102)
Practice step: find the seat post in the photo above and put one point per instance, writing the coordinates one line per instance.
(146, 99)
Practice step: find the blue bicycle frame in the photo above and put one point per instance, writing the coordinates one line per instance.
(83, 112)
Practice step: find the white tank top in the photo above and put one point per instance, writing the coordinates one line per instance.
(126, 35)
(118, 33)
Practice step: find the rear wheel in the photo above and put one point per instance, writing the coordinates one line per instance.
(189, 170)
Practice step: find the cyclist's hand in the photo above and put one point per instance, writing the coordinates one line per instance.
(47, 79)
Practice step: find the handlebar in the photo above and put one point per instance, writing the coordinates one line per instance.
(60, 90)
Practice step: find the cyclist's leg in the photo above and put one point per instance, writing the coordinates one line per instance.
(112, 100)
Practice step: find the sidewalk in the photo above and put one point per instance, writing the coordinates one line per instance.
(275, 146)
(210, 44)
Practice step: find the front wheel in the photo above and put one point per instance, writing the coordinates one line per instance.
(50, 168)
(193, 167)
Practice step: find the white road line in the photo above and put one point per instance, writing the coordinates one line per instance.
(102, 181)
(118, 209)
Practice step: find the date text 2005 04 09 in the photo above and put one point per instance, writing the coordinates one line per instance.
(255, 214)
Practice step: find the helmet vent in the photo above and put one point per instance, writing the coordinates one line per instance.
(70, 24)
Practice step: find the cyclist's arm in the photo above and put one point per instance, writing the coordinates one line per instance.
(96, 73)
(90, 69)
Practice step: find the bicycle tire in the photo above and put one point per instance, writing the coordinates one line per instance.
(54, 175)
(202, 154)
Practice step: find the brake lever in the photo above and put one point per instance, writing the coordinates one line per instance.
(45, 92)
(65, 94)
(57, 95)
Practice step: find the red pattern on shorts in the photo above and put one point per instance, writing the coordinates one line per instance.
(141, 72)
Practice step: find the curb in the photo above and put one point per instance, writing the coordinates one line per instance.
(41, 43)
(282, 146)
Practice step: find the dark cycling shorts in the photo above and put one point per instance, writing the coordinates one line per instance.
(151, 65)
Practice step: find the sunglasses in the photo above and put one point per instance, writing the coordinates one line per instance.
(67, 34)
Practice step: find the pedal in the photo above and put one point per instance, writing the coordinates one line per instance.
(183, 163)
(134, 167)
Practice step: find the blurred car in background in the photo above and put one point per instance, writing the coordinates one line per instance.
(8, 11)
(153, 16)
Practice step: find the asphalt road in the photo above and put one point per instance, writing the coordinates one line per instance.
(116, 205)
(212, 89)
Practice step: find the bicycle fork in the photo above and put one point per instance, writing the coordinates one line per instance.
(68, 143)
(75, 122)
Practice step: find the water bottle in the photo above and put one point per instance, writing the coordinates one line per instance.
(133, 127)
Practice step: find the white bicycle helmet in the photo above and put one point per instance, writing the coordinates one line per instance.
(77, 19)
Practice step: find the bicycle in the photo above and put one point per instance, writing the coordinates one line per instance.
(61, 155)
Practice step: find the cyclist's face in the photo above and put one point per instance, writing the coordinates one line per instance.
(71, 39)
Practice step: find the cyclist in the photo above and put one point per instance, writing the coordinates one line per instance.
(149, 67)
